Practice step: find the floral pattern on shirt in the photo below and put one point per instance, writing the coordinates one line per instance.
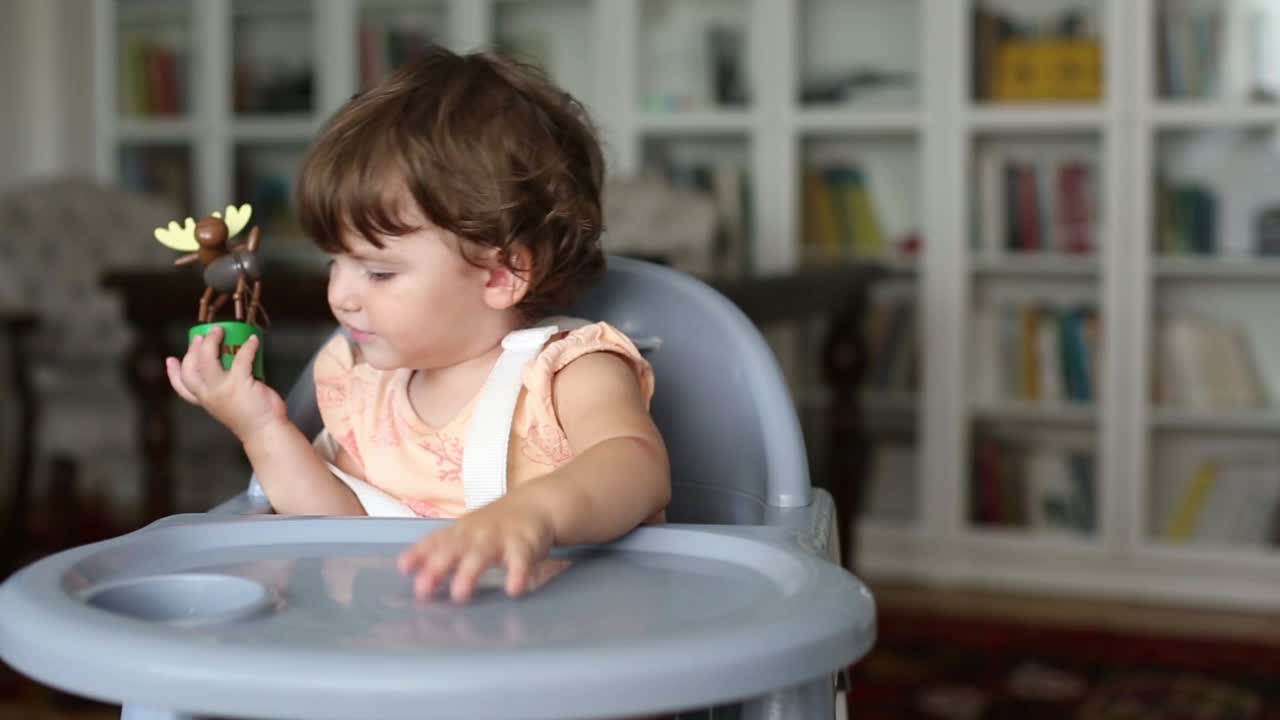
(447, 451)
(332, 393)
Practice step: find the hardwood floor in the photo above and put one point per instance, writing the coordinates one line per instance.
(1253, 626)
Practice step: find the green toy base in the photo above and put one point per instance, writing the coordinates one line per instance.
(235, 334)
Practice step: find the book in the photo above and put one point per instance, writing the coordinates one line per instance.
(1036, 198)
(1206, 364)
(1033, 481)
(841, 214)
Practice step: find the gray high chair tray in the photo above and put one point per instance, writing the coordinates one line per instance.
(280, 617)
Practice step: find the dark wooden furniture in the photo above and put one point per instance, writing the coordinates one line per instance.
(157, 300)
(18, 325)
(841, 294)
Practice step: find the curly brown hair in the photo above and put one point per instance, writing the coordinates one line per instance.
(489, 149)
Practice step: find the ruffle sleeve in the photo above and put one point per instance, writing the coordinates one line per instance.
(543, 426)
(339, 395)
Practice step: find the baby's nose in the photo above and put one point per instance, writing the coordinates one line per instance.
(342, 297)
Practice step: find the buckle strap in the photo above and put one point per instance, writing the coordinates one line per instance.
(484, 457)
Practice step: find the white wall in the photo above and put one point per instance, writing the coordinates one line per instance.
(46, 123)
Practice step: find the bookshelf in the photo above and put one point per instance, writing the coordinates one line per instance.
(796, 117)
(1207, 93)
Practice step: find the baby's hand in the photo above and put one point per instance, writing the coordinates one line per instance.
(233, 397)
(505, 533)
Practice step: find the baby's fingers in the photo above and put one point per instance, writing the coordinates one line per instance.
(436, 566)
(173, 368)
(208, 362)
(474, 562)
(518, 561)
(188, 371)
(242, 366)
(415, 555)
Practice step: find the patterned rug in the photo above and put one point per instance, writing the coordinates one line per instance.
(939, 667)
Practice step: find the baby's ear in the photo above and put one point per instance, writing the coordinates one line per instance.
(508, 282)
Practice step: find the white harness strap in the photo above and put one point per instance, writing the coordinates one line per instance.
(484, 457)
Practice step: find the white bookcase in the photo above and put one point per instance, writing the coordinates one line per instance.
(932, 159)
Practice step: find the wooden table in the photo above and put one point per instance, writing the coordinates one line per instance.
(156, 300)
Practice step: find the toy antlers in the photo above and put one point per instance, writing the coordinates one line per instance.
(182, 237)
(228, 269)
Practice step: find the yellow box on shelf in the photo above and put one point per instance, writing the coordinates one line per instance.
(1048, 70)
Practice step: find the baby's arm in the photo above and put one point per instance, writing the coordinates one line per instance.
(618, 478)
(619, 475)
(294, 477)
(292, 474)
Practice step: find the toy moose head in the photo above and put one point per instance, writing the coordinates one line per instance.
(231, 271)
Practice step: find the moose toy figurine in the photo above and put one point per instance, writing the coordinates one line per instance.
(232, 271)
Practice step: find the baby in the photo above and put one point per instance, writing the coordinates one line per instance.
(460, 202)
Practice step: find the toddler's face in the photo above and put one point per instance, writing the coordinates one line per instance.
(415, 303)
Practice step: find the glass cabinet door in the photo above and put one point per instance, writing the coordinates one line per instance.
(1037, 51)
(161, 169)
(555, 35)
(688, 206)
(391, 32)
(273, 57)
(1214, 347)
(1227, 50)
(861, 198)
(264, 175)
(859, 53)
(154, 58)
(693, 55)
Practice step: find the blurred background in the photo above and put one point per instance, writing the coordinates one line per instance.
(1048, 231)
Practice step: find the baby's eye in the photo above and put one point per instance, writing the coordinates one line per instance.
(378, 276)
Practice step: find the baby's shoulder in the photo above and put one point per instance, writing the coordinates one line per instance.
(579, 339)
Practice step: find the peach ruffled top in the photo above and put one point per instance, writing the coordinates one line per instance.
(368, 413)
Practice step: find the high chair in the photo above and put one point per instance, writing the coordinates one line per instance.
(736, 606)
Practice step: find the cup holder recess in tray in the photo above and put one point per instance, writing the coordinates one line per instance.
(182, 599)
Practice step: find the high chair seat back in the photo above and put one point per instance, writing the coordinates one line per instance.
(721, 402)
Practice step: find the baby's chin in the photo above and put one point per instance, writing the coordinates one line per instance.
(383, 356)
(385, 363)
(377, 359)
(382, 367)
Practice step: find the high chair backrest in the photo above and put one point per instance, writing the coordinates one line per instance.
(721, 402)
